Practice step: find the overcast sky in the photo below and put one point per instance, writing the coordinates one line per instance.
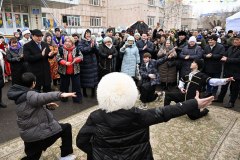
(209, 7)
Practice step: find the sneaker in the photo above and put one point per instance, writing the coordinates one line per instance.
(69, 157)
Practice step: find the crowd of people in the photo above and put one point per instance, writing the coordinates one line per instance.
(38, 60)
(56, 58)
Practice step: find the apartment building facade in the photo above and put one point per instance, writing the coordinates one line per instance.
(20, 14)
(90, 14)
(188, 20)
(125, 13)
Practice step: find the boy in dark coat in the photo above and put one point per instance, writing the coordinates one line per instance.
(38, 129)
(150, 78)
(192, 82)
(120, 131)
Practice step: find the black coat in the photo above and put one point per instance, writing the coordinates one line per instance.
(231, 66)
(150, 48)
(104, 61)
(89, 66)
(38, 64)
(17, 65)
(124, 134)
(213, 64)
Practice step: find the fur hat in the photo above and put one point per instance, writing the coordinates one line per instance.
(116, 91)
(192, 39)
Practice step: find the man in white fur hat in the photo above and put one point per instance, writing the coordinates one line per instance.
(26, 37)
(118, 130)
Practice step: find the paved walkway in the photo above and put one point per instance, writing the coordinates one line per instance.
(214, 137)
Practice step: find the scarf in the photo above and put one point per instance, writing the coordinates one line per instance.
(69, 49)
(16, 50)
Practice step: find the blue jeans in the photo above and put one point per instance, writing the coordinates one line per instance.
(213, 89)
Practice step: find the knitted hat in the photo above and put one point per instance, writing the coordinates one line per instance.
(192, 39)
(26, 32)
(107, 39)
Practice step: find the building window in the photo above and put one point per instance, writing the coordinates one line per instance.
(151, 2)
(44, 20)
(24, 9)
(151, 21)
(16, 8)
(94, 2)
(73, 21)
(161, 20)
(95, 21)
(161, 3)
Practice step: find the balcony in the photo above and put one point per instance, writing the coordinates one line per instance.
(51, 3)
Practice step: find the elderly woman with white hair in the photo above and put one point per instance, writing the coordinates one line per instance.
(69, 58)
(107, 57)
(137, 37)
(130, 57)
(118, 130)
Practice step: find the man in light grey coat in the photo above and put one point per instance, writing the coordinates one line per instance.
(38, 129)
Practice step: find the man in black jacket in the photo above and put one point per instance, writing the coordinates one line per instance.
(144, 46)
(120, 131)
(212, 55)
(231, 61)
(192, 82)
(36, 53)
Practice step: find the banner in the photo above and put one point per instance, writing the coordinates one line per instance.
(1, 21)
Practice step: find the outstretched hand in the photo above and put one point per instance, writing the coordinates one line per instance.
(65, 95)
(230, 79)
(204, 102)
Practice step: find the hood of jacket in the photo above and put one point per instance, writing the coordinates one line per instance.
(18, 93)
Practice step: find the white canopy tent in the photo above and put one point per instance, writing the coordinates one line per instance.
(233, 22)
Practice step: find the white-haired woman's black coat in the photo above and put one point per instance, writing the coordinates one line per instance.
(124, 134)
(106, 65)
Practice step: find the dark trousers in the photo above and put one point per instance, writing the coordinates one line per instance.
(180, 97)
(234, 89)
(34, 150)
(45, 88)
(213, 89)
(0, 95)
(147, 92)
(76, 86)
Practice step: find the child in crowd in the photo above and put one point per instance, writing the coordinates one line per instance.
(150, 78)
(38, 129)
